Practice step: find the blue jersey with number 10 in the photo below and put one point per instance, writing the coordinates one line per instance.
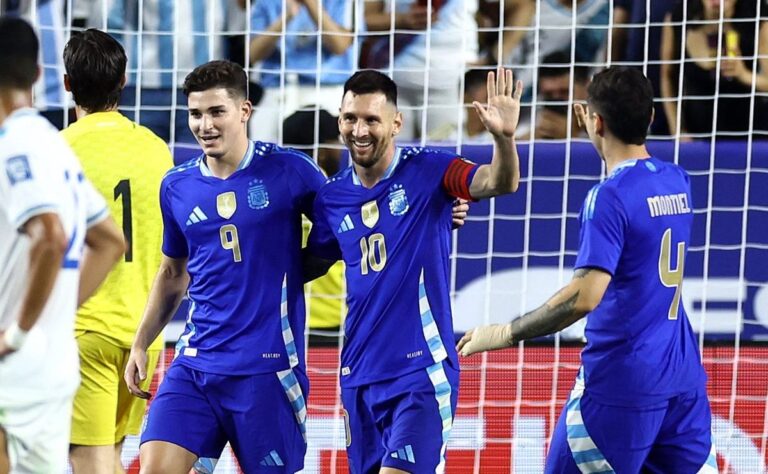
(242, 238)
(636, 225)
(395, 241)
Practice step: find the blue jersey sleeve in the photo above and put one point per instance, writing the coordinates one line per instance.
(322, 241)
(603, 225)
(174, 243)
(308, 181)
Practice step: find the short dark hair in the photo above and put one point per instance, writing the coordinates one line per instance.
(558, 63)
(18, 53)
(299, 128)
(474, 78)
(623, 96)
(369, 81)
(95, 64)
(219, 74)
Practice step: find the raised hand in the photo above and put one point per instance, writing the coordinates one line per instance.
(502, 112)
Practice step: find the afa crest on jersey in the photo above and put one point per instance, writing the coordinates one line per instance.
(258, 197)
(398, 201)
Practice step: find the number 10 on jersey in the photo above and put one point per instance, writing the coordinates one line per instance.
(374, 253)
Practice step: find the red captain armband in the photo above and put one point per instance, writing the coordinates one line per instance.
(457, 178)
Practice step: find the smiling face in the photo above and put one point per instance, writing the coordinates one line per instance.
(218, 120)
(368, 124)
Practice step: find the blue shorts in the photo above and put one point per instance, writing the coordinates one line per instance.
(262, 416)
(401, 423)
(673, 436)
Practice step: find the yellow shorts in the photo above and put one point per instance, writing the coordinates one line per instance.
(104, 411)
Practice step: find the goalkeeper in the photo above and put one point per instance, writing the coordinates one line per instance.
(639, 402)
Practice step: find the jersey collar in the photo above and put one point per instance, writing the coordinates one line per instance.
(247, 158)
(622, 165)
(388, 173)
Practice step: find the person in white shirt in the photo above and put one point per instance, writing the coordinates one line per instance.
(57, 243)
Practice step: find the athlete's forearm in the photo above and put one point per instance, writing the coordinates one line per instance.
(560, 311)
(104, 247)
(314, 267)
(48, 244)
(164, 298)
(263, 44)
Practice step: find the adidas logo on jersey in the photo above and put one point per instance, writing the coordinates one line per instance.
(346, 225)
(404, 454)
(272, 459)
(197, 215)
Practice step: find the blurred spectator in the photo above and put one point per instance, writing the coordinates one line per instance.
(700, 81)
(553, 29)
(318, 130)
(516, 16)
(554, 97)
(450, 29)
(175, 37)
(474, 132)
(634, 42)
(294, 69)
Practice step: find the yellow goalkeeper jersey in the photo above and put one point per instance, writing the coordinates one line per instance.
(125, 162)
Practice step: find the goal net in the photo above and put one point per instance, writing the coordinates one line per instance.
(710, 73)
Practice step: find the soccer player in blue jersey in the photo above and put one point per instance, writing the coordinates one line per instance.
(387, 218)
(640, 401)
(231, 240)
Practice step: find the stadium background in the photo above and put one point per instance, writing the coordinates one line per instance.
(517, 250)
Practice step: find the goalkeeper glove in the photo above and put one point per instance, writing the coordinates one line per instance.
(486, 338)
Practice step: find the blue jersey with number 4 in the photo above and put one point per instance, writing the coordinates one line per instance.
(636, 225)
(395, 241)
(242, 238)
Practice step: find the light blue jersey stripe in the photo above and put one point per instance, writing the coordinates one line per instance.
(295, 396)
(428, 324)
(189, 331)
(443, 391)
(288, 339)
(586, 454)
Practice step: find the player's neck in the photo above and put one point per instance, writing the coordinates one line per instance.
(371, 175)
(616, 153)
(81, 112)
(224, 166)
(12, 100)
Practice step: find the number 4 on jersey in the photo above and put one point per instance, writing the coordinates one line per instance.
(671, 278)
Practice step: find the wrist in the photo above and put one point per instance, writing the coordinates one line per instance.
(14, 336)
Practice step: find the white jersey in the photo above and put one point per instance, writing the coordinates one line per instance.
(555, 26)
(452, 44)
(39, 174)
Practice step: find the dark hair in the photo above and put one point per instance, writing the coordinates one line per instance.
(623, 96)
(18, 53)
(474, 78)
(95, 64)
(558, 63)
(219, 74)
(299, 128)
(369, 81)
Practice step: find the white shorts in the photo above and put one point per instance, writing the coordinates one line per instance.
(38, 436)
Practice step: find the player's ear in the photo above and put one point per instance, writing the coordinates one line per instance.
(123, 80)
(246, 108)
(398, 123)
(67, 87)
(599, 125)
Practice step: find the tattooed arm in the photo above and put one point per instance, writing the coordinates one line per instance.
(571, 303)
